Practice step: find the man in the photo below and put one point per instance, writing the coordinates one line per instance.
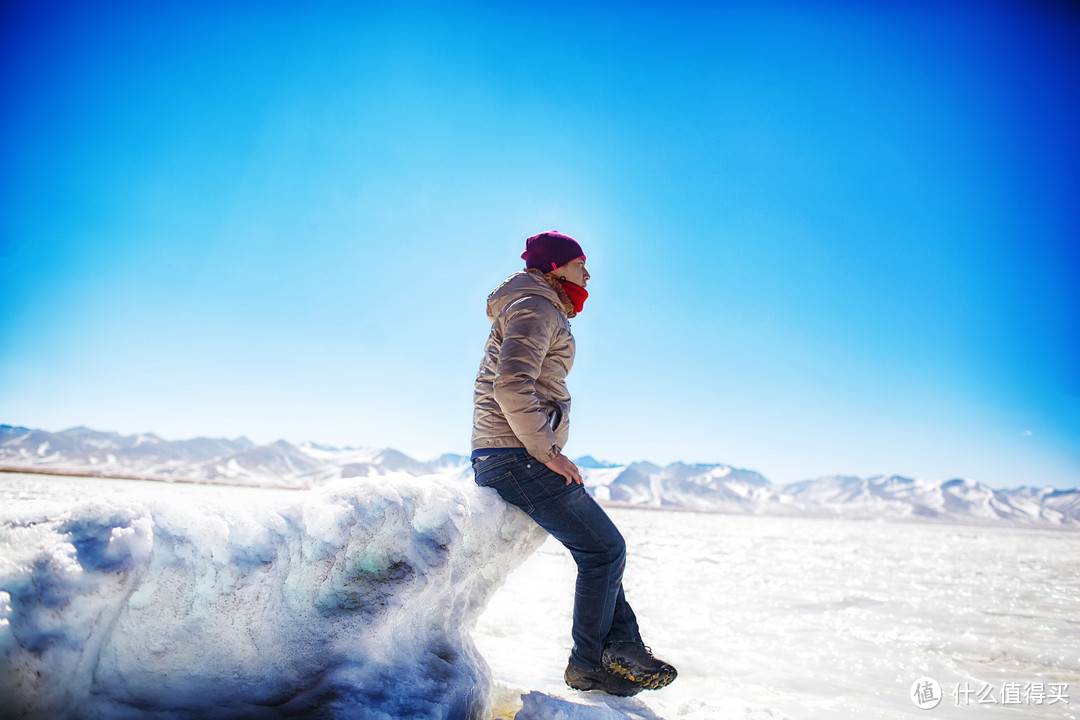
(521, 422)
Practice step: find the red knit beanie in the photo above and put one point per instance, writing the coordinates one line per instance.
(550, 250)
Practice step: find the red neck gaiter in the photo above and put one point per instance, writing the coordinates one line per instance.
(577, 294)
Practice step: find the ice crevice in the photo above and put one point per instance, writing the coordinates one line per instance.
(353, 600)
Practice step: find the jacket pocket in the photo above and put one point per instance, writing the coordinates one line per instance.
(556, 418)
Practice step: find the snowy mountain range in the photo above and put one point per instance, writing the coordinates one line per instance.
(84, 451)
(695, 487)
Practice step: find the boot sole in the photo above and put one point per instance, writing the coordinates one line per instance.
(610, 691)
(586, 685)
(649, 681)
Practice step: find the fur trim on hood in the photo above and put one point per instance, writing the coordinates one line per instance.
(553, 281)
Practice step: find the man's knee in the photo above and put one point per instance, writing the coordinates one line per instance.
(609, 550)
(618, 550)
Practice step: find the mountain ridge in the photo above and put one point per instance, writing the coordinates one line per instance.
(702, 487)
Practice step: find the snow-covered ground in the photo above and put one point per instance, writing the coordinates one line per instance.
(765, 617)
(811, 618)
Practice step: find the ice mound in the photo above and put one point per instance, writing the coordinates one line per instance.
(355, 600)
(539, 706)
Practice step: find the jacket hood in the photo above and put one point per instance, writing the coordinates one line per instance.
(522, 284)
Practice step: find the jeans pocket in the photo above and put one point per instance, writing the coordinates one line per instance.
(492, 477)
(511, 489)
(491, 468)
(505, 475)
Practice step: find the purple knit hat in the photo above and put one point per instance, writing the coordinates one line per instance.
(550, 250)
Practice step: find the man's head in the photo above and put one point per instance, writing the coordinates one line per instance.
(561, 257)
(550, 250)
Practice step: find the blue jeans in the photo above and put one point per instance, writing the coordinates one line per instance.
(568, 512)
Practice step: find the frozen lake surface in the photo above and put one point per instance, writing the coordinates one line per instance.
(768, 618)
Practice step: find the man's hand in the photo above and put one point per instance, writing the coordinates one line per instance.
(562, 465)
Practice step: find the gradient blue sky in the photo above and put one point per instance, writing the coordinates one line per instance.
(825, 237)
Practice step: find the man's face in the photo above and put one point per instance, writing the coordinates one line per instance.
(574, 271)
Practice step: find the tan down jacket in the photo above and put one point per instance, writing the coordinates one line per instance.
(521, 398)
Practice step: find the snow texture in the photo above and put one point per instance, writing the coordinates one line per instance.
(178, 600)
(539, 706)
(355, 600)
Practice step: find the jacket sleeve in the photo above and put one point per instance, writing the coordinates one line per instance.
(530, 326)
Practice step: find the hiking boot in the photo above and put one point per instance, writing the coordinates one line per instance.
(636, 663)
(599, 679)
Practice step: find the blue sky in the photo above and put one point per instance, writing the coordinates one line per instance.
(825, 237)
